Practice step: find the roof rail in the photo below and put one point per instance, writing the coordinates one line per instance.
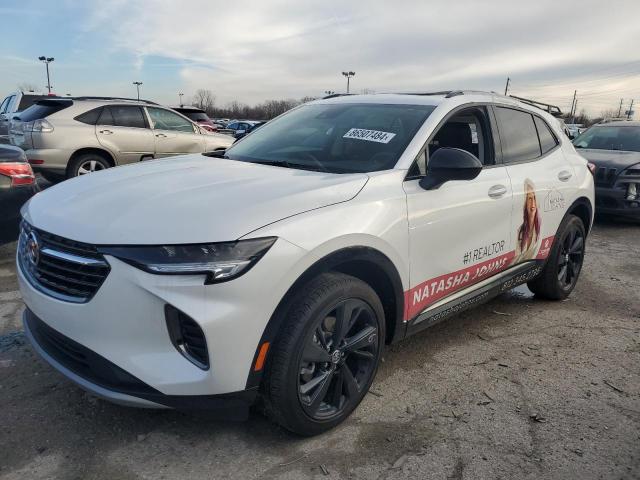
(114, 98)
(552, 109)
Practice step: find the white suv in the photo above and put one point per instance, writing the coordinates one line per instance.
(282, 267)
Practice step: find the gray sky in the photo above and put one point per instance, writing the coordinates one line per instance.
(253, 51)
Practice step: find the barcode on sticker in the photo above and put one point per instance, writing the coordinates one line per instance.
(369, 135)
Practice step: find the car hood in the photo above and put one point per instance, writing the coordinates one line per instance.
(188, 199)
(617, 159)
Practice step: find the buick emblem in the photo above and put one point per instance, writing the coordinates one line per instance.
(33, 248)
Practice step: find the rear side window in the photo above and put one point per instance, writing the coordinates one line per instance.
(123, 116)
(43, 108)
(518, 135)
(90, 117)
(548, 140)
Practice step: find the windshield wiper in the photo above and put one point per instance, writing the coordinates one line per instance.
(287, 164)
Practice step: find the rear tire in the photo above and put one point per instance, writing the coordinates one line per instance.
(87, 163)
(326, 354)
(560, 274)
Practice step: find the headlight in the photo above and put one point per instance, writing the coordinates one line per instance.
(218, 261)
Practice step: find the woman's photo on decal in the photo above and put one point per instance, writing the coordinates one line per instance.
(528, 238)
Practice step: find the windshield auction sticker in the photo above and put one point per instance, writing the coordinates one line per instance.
(369, 135)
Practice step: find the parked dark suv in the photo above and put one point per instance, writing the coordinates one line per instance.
(614, 148)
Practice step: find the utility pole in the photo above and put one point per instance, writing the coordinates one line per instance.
(506, 87)
(630, 112)
(180, 96)
(620, 108)
(348, 75)
(573, 102)
(575, 110)
(47, 61)
(137, 84)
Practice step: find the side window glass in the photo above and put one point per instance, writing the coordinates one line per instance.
(166, 120)
(91, 117)
(548, 140)
(106, 118)
(8, 108)
(469, 130)
(3, 106)
(128, 116)
(518, 135)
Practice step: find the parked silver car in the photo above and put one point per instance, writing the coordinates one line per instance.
(67, 137)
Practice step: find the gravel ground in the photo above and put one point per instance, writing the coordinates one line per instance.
(517, 388)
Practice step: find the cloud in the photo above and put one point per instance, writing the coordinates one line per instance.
(252, 51)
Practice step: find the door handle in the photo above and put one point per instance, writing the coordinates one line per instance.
(106, 132)
(497, 191)
(564, 175)
(161, 135)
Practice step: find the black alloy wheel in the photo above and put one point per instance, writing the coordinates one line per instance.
(571, 258)
(338, 359)
(562, 268)
(325, 355)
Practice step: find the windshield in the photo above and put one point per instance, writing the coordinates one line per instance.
(195, 116)
(610, 138)
(335, 138)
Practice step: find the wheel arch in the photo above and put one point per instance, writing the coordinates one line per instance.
(94, 150)
(582, 209)
(365, 263)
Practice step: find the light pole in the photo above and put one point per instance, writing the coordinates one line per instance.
(47, 61)
(180, 96)
(137, 84)
(348, 75)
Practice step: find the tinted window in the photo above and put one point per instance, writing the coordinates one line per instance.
(610, 138)
(336, 138)
(106, 118)
(518, 135)
(90, 117)
(165, 120)
(126, 116)
(43, 109)
(547, 138)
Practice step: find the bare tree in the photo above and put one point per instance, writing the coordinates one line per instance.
(204, 100)
(27, 87)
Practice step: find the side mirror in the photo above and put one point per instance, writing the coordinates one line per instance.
(450, 164)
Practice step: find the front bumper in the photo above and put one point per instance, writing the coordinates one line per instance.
(613, 201)
(125, 323)
(106, 380)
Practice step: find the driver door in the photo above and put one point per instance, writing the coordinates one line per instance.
(459, 233)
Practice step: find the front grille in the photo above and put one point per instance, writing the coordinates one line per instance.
(62, 268)
(605, 177)
(83, 361)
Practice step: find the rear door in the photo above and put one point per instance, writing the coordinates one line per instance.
(540, 177)
(174, 134)
(125, 132)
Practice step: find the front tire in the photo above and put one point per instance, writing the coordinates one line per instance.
(561, 272)
(326, 355)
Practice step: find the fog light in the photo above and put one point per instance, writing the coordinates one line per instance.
(632, 191)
